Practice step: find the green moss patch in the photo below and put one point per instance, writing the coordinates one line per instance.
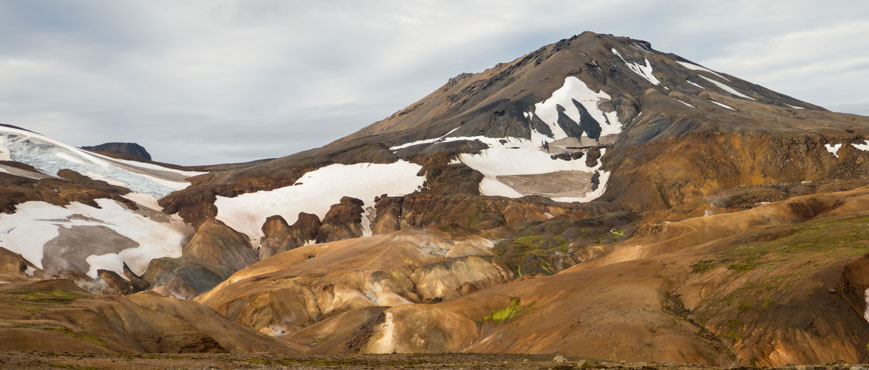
(831, 239)
(513, 309)
(55, 296)
(59, 329)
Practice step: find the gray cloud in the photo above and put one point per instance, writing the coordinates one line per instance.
(229, 80)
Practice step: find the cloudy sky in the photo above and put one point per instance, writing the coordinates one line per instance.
(216, 81)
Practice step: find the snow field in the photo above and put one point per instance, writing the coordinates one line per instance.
(315, 192)
(35, 223)
(524, 157)
(644, 71)
(575, 89)
(50, 156)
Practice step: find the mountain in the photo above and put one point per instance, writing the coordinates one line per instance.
(131, 149)
(594, 198)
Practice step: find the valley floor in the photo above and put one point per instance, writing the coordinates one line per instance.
(48, 360)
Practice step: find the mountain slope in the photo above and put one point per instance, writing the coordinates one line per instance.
(637, 120)
(595, 197)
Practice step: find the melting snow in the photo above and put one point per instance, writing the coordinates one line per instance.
(792, 106)
(524, 157)
(644, 71)
(728, 88)
(863, 147)
(575, 89)
(695, 67)
(437, 140)
(315, 192)
(35, 223)
(684, 103)
(50, 156)
(701, 87)
(442, 139)
(722, 105)
(515, 156)
(833, 149)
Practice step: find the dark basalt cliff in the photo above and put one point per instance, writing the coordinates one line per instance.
(131, 149)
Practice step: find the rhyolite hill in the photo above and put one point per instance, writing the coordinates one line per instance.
(593, 198)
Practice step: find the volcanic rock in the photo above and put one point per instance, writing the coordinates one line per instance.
(131, 149)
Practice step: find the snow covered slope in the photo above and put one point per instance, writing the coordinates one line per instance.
(315, 192)
(82, 238)
(50, 156)
(79, 238)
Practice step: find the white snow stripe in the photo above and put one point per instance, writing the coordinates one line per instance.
(727, 88)
(722, 105)
(695, 67)
(701, 87)
(684, 103)
(644, 71)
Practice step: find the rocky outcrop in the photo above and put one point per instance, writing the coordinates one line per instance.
(213, 254)
(343, 221)
(456, 277)
(289, 291)
(421, 329)
(280, 237)
(14, 268)
(131, 149)
(474, 212)
(68, 187)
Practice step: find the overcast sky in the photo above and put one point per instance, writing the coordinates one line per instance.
(216, 81)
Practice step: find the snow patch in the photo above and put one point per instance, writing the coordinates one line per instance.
(792, 106)
(833, 149)
(523, 157)
(50, 156)
(722, 105)
(644, 71)
(443, 138)
(684, 103)
(575, 89)
(36, 223)
(316, 191)
(592, 195)
(695, 67)
(863, 147)
(701, 87)
(728, 88)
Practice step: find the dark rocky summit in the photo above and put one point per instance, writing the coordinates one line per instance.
(132, 149)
